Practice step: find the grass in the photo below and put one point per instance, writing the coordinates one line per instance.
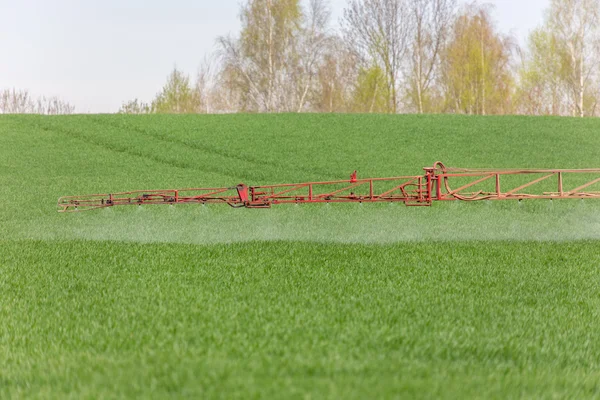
(282, 319)
(485, 300)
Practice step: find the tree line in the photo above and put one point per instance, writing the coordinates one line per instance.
(391, 56)
(13, 101)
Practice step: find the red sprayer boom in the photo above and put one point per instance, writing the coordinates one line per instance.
(439, 183)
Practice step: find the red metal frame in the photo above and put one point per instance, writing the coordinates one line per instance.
(443, 178)
(438, 184)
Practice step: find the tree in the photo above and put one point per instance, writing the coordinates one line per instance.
(431, 20)
(336, 79)
(541, 90)
(574, 27)
(177, 96)
(560, 74)
(135, 107)
(274, 66)
(378, 30)
(314, 43)
(53, 106)
(226, 94)
(476, 66)
(15, 101)
(372, 92)
(260, 61)
(206, 87)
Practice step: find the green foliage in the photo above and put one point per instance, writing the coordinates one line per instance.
(432, 100)
(177, 96)
(476, 66)
(283, 16)
(371, 93)
(492, 300)
(541, 91)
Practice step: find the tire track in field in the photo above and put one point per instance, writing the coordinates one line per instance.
(89, 139)
(214, 150)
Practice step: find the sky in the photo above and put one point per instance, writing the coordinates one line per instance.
(98, 54)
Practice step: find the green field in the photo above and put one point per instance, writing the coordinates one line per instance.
(485, 300)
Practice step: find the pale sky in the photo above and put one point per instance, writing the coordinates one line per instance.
(97, 54)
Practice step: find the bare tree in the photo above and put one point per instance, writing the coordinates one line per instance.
(560, 74)
(314, 42)
(378, 30)
(431, 21)
(275, 63)
(53, 106)
(13, 101)
(206, 82)
(135, 107)
(226, 94)
(575, 27)
(238, 74)
(337, 77)
(261, 59)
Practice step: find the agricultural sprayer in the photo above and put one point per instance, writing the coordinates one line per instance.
(438, 183)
